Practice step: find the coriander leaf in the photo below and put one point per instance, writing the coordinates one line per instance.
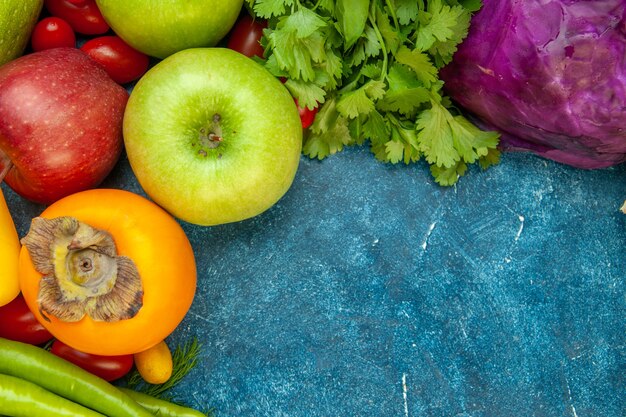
(471, 5)
(333, 66)
(492, 158)
(355, 126)
(326, 117)
(271, 64)
(328, 5)
(321, 145)
(401, 77)
(442, 51)
(411, 153)
(357, 55)
(419, 62)
(371, 43)
(435, 136)
(442, 20)
(294, 54)
(390, 36)
(448, 176)
(408, 135)
(405, 133)
(407, 10)
(463, 137)
(380, 151)
(395, 151)
(269, 8)
(405, 102)
(304, 22)
(367, 46)
(405, 93)
(353, 103)
(479, 140)
(361, 100)
(485, 140)
(308, 94)
(375, 89)
(372, 71)
(375, 129)
(351, 16)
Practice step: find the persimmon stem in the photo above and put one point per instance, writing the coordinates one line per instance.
(6, 164)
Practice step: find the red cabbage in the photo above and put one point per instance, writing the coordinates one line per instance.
(550, 75)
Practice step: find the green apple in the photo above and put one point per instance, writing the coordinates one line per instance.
(17, 20)
(161, 27)
(212, 136)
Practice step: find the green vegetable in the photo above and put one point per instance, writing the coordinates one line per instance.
(373, 66)
(65, 379)
(20, 398)
(160, 407)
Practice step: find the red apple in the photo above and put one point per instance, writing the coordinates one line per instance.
(60, 124)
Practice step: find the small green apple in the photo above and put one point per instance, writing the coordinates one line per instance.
(212, 136)
(161, 27)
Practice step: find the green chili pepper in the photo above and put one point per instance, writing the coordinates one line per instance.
(65, 379)
(20, 398)
(160, 407)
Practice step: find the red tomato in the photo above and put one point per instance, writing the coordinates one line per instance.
(18, 323)
(108, 368)
(52, 32)
(306, 115)
(82, 15)
(245, 36)
(123, 63)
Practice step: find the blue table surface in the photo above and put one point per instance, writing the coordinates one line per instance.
(368, 290)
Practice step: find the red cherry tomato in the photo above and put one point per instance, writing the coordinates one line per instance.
(306, 115)
(18, 323)
(109, 368)
(52, 32)
(123, 63)
(245, 36)
(82, 15)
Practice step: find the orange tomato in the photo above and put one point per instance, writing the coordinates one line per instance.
(155, 365)
(157, 244)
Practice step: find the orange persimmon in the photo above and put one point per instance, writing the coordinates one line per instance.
(164, 260)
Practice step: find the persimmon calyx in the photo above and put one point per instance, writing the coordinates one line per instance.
(82, 273)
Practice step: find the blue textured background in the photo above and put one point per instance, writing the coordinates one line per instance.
(368, 290)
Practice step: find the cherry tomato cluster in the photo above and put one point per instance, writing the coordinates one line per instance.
(245, 37)
(18, 323)
(71, 17)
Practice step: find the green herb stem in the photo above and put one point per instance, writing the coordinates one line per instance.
(372, 20)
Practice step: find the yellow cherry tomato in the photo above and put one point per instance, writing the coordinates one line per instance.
(164, 260)
(155, 365)
(9, 254)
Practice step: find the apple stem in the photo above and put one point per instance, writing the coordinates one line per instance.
(6, 164)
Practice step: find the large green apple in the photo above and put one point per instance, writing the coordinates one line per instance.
(212, 136)
(161, 27)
